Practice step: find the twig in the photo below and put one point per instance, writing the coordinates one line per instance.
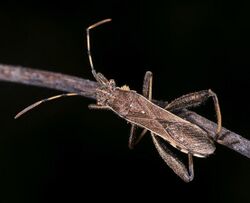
(87, 88)
(47, 79)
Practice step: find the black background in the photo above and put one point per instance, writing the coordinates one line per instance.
(63, 152)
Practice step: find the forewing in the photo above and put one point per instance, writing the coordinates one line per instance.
(180, 133)
(189, 137)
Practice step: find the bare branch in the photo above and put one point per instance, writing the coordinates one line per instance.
(86, 88)
(228, 138)
(47, 79)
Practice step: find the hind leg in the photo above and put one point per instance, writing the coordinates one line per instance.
(195, 99)
(173, 161)
(147, 92)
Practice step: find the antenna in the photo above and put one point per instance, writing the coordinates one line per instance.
(89, 47)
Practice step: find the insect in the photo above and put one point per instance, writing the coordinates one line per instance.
(164, 126)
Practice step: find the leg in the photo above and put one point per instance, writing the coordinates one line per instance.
(147, 92)
(172, 160)
(133, 138)
(147, 85)
(190, 167)
(94, 106)
(195, 99)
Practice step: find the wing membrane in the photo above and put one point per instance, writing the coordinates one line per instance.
(193, 138)
(178, 132)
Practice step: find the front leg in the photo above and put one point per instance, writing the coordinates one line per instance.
(172, 160)
(134, 139)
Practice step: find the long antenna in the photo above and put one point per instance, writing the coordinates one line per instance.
(88, 44)
(43, 101)
(99, 77)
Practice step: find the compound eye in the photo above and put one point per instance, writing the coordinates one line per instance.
(112, 84)
(101, 100)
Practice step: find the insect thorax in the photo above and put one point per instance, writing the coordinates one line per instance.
(118, 99)
(104, 96)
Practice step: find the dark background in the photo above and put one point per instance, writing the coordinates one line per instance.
(63, 152)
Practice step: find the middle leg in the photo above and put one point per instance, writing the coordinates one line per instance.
(147, 92)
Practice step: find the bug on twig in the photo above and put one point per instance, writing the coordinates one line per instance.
(164, 126)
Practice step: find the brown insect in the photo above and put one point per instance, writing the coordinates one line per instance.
(164, 126)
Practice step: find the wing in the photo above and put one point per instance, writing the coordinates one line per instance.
(189, 137)
(180, 133)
